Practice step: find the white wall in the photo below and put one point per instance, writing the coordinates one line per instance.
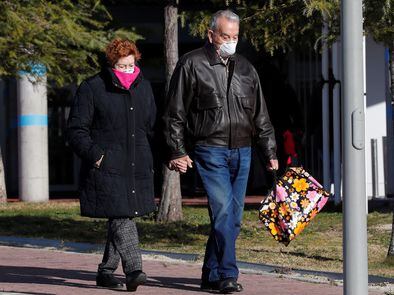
(376, 109)
(379, 122)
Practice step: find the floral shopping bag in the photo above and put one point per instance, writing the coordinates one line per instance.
(290, 207)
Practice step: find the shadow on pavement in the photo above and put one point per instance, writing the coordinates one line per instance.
(187, 284)
(24, 293)
(49, 276)
(64, 277)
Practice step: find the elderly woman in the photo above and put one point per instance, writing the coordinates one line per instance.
(109, 128)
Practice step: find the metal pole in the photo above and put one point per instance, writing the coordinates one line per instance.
(354, 191)
(374, 164)
(336, 121)
(325, 112)
(33, 136)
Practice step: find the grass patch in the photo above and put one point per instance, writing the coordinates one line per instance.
(319, 247)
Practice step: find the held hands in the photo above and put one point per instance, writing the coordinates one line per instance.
(273, 165)
(180, 164)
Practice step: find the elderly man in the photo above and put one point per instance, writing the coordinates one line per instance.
(215, 110)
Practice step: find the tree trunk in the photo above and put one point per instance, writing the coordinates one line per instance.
(3, 192)
(171, 199)
(170, 39)
(170, 208)
(390, 253)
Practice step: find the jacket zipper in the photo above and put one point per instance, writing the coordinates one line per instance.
(228, 102)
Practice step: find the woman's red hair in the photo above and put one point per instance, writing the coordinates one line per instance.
(119, 48)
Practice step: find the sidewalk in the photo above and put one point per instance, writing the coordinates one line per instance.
(44, 272)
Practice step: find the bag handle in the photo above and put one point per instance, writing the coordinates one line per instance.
(275, 176)
(273, 188)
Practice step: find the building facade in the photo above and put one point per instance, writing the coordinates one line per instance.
(293, 79)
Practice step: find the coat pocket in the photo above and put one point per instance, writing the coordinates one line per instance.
(248, 109)
(248, 103)
(209, 101)
(113, 162)
(143, 162)
(208, 115)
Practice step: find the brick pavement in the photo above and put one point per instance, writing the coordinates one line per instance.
(44, 272)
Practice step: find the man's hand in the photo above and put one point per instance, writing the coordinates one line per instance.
(273, 165)
(180, 164)
(98, 163)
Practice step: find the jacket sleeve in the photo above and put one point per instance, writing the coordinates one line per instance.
(79, 123)
(265, 134)
(176, 107)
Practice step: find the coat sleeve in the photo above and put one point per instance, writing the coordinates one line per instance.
(176, 107)
(265, 134)
(79, 124)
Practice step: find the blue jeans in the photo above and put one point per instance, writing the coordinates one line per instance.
(224, 173)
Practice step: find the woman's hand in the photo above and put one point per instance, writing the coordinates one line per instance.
(98, 163)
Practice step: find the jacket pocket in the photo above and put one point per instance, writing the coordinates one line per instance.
(113, 161)
(248, 103)
(143, 162)
(248, 106)
(209, 112)
(209, 101)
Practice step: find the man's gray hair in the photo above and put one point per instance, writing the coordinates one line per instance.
(228, 14)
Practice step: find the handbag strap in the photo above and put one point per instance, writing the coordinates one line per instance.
(273, 189)
(275, 176)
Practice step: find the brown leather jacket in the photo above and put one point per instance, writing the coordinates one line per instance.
(212, 103)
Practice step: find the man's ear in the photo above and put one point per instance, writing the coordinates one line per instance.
(209, 34)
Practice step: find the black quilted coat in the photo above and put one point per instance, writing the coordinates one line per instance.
(107, 119)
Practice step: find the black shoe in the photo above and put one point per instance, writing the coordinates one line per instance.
(215, 286)
(239, 288)
(229, 285)
(107, 280)
(209, 286)
(134, 279)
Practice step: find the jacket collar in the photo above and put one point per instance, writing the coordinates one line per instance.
(213, 56)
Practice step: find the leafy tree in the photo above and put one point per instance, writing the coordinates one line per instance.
(277, 24)
(64, 36)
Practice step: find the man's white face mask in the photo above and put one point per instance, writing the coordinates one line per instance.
(227, 48)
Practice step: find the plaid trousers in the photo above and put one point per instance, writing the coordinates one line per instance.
(122, 244)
